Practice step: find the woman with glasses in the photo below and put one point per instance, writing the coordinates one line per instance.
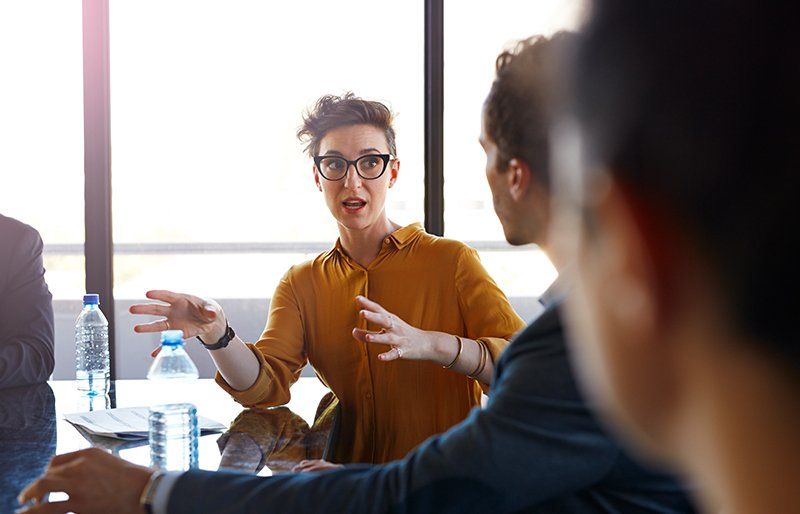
(402, 326)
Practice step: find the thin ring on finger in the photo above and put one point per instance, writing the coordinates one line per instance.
(166, 322)
(399, 352)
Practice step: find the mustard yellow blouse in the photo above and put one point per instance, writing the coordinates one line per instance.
(388, 408)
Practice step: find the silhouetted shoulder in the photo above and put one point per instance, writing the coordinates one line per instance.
(18, 239)
(14, 231)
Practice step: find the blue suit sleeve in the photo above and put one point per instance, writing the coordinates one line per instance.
(534, 441)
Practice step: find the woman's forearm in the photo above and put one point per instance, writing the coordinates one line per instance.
(237, 364)
(445, 349)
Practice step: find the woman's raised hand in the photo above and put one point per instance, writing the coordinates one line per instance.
(193, 315)
(406, 342)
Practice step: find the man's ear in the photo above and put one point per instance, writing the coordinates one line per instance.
(519, 178)
(627, 278)
(637, 260)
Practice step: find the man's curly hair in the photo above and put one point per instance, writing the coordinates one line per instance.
(517, 109)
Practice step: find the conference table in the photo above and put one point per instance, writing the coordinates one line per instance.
(259, 441)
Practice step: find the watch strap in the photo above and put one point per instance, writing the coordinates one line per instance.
(223, 341)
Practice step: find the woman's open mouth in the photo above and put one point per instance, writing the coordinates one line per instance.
(354, 205)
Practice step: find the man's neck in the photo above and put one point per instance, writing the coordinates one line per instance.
(364, 245)
(556, 290)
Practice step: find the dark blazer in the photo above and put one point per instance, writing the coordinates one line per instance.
(26, 308)
(535, 447)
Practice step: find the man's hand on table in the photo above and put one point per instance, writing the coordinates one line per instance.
(96, 482)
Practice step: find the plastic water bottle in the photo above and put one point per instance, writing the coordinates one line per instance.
(173, 425)
(91, 348)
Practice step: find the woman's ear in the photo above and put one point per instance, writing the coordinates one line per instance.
(316, 179)
(393, 171)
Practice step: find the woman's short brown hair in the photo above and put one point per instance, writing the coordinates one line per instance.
(333, 111)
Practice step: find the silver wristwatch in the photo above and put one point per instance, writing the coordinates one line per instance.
(149, 491)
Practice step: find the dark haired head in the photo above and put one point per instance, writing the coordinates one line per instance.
(694, 105)
(516, 110)
(333, 111)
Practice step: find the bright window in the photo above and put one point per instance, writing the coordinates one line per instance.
(475, 33)
(212, 192)
(41, 146)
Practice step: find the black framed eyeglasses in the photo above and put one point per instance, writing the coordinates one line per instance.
(368, 167)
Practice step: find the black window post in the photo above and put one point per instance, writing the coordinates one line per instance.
(434, 113)
(98, 246)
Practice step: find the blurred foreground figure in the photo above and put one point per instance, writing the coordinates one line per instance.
(26, 309)
(678, 176)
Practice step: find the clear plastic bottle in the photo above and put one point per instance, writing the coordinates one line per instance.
(173, 425)
(91, 348)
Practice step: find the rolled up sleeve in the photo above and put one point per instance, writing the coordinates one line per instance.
(487, 313)
(280, 352)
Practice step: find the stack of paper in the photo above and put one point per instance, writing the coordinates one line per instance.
(128, 424)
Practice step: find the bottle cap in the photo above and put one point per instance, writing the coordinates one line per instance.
(91, 299)
(172, 337)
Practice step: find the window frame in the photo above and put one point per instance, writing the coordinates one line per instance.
(99, 245)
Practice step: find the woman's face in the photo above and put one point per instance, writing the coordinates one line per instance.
(355, 202)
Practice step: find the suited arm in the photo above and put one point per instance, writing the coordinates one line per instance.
(26, 317)
(533, 442)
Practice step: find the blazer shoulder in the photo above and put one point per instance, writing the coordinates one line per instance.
(16, 231)
(547, 324)
(544, 335)
(18, 239)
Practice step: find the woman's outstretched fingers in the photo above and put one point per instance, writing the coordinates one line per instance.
(162, 294)
(383, 320)
(365, 336)
(153, 309)
(153, 326)
(393, 354)
(360, 334)
(369, 304)
(378, 337)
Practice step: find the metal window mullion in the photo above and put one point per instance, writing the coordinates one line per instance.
(98, 245)
(434, 116)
